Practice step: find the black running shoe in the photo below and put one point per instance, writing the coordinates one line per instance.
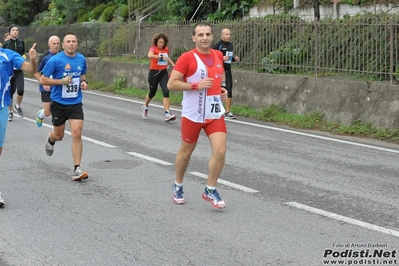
(10, 116)
(19, 111)
(230, 115)
(1, 201)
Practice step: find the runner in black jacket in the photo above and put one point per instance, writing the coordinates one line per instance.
(17, 80)
(226, 47)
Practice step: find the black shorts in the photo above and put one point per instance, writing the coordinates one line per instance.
(17, 83)
(45, 96)
(61, 113)
(229, 83)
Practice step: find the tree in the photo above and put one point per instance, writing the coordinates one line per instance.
(316, 7)
(21, 12)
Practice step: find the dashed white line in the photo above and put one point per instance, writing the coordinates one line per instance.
(221, 181)
(271, 128)
(104, 144)
(152, 159)
(261, 126)
(250, 190)
(344, 219)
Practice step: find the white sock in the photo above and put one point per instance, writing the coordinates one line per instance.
(210, 188)
(41, 114)
(179, 185)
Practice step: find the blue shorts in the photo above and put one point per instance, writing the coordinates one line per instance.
(3, 124)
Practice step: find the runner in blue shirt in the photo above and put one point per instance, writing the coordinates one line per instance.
(54, 46)
(8, 61)
(66, 73)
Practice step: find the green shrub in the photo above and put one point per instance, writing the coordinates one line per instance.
(118, 43)
(108, 14)
(123, 11)
(120, 83)
(97, 11)
(83, 15)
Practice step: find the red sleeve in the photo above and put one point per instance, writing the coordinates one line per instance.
(186, 64)
(153, 48)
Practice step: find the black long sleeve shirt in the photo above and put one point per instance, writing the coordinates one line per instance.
(227, 49)
(16, 45)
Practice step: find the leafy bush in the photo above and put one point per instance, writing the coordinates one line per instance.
(108, 14)
(120, 83)
(123, 11)
(97, 11)
(282, 60)
(83, 15)
(118, 43)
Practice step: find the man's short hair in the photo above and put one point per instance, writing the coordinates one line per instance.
(12, 26)
(202, 24)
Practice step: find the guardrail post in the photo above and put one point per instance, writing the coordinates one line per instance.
(391, 60)
(255, 45)
(109, 40)
(316, 46)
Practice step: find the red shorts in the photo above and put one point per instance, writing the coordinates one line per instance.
(190, 130)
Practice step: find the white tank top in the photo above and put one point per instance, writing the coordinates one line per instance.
(198, 106)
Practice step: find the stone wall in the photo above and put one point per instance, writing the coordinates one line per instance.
(333, 10)
(338, 99)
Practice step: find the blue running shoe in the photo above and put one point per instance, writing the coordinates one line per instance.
(178, 195)
(39, 121)
(213, 197)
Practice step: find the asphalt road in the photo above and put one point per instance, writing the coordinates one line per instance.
(299, 198)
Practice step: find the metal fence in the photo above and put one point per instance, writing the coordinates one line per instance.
(363, 47)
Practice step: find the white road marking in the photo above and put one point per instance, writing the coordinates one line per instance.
(227, 183)
(83, 137)
(258, 125)
(344, 219)
(250, 190)
(221, 181)
(267, 127)
(152, 159)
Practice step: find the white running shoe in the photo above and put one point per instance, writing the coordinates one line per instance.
(79, 174)
(144, 111)
(48, 147)
(169, 117)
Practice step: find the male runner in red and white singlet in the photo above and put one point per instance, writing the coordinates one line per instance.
(199, 73)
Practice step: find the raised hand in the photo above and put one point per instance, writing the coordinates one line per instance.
(32, 52)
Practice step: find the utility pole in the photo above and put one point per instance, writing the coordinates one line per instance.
(316, 7)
